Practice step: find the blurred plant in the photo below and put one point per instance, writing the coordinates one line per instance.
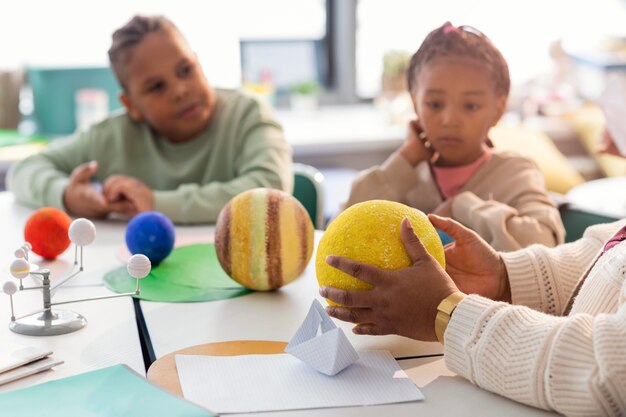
(306, 88)
(393, 79)
(395, 62)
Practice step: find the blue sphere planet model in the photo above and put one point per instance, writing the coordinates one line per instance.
(445, 238)
(152, 234)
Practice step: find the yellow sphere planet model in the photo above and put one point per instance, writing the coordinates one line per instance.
(264, 239)
(369, 232)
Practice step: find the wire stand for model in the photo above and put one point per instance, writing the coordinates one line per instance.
(48, 321)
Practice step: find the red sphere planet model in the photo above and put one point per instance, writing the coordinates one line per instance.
(46, 230)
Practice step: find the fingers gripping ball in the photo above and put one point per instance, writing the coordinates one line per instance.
(82, 232)
(152, 234)
(138, 266)
(20, 268)
(264, 239)
(46, 230)
(369, 232)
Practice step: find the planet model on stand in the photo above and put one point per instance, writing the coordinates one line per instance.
(47, 231)
(52, 322)
(369, 232)
(82, 232)
(138, 266)
(20, 268)
(264, 239)
(152, 234)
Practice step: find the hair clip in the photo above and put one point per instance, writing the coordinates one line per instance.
(449, 28)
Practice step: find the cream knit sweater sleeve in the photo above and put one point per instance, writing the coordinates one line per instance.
(576, 364)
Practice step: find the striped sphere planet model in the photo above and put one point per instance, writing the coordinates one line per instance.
(264, 239)
(152, 234)
(47, 231)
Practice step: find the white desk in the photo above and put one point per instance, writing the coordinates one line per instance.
(446, 394)
(604, 196)
(356, 137)
(272, 315)
(111, 335)
(333, 129)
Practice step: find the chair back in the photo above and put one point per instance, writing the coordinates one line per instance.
(577, 220)
(308, 190)
(54, 92)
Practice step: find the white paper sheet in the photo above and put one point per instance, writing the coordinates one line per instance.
(612, 101)
(321, 344)
(254, 383)
(14, 355)
(28, 369)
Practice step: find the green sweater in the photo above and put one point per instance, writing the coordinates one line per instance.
(242, 148)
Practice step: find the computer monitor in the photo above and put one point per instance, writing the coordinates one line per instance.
(285, 62)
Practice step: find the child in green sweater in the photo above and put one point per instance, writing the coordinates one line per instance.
(181, 147)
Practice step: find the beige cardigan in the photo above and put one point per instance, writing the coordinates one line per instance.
(505, 200)
(574, 364)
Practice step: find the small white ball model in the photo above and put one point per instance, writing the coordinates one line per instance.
(82, 232)
(20, 268)
(26, 247)
(9, 288)
(20, 253)
(138, 266)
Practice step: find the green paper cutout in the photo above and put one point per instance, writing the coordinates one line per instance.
(189, 274)
(108, 392)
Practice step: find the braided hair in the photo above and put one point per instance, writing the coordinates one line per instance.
(130, 35)
(463, 41)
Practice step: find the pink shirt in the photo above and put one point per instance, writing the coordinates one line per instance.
(451, 179)
(619, 237)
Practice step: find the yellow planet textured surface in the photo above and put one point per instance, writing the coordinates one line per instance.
(369, 232)
(264, 239)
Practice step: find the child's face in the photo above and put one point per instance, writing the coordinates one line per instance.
(165, 87)
(456, 104)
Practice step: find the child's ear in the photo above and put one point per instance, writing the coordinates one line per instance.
(414, 101)
(130, 107)
(500, 109)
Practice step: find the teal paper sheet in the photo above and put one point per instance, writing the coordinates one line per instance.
(189, 274)
(109, 392)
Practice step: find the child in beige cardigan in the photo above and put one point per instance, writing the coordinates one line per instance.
(459, 83)
(559, 347)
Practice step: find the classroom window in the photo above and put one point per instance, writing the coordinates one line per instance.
(522, 30)
(73, 33)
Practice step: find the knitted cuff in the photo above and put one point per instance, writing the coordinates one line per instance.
(463, 326)
(524, 278)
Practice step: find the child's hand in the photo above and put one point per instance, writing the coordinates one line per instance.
(137, 195)
(81, 198)
(475, 267)
(402, 302)
(416, 148)
(607, 144)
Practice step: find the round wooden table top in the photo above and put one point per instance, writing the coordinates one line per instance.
(163, 371)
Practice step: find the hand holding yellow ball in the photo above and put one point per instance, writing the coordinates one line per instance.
(390, 276)
(369, 232)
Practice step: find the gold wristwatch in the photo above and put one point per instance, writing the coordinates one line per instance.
(444, 312)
